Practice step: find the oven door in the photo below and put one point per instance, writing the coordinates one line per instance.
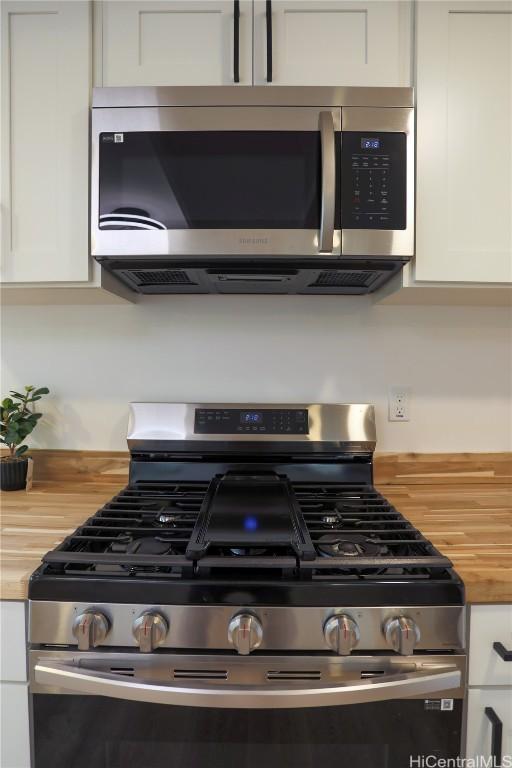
(230, 181)
(178, 711)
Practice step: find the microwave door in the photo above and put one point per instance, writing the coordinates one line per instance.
(216, 181)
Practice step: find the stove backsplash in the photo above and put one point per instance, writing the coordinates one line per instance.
(265, 349)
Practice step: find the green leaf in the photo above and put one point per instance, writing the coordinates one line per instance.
(12, 429)
(7, 403)
(42, 391)
(29, 388)
(13, 439)
(25, 430)
(21, 450)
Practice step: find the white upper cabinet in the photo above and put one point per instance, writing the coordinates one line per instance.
(464, 142)
(46, 78)
(306, 42)
(191, 42)
(329, 42)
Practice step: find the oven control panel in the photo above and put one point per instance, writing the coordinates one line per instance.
(242, 421)
(140, 627)
(374, 189)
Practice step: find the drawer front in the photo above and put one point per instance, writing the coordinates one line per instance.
(490, 624)
(480, 728)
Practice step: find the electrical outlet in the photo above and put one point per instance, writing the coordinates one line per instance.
(398, 404)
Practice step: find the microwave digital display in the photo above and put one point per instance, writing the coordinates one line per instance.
(370, 143)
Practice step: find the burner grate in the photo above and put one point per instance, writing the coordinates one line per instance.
(348, 532)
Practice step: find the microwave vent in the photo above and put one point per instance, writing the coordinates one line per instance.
(242, 276)
(162, 277)
(344, 278)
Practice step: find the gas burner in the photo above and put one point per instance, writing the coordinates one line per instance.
(247, 551)
(349, 545)
(168, 519)
(332, 520)
(158, 545)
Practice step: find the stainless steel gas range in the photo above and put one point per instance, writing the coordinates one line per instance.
(248, 598)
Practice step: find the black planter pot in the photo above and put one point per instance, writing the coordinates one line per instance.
(13, 474)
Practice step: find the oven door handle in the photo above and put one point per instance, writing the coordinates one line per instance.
(396, 686)
(328, 152)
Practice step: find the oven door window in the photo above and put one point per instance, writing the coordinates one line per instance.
(96, 732)
(167, 180)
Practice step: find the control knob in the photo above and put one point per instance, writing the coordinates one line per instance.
(150, 631)
(245, 633)
(402, 634)
(90, 629)
(341, 634)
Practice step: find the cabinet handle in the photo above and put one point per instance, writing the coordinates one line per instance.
(502, 651)
(269, 40)
(496, 735)
(236, 41)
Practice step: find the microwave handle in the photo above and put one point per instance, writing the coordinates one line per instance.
(328, 152)
(236, 41)
(84, 681)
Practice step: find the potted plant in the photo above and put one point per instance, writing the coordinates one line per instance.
(17, 422)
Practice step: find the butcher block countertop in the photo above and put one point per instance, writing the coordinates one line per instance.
(461, 502)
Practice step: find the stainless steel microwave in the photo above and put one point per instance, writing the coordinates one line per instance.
(252, 189)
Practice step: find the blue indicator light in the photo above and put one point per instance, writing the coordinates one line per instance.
(251, 523)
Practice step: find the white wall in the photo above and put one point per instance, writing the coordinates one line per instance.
(457, 360)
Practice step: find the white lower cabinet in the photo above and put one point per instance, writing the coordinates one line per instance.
(15, 738)
(491, 625)
(489, 719)
(484, 705)
(14, 701)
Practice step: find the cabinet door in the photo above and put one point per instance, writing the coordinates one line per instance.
(490, 624)
(480, 728)
(46, 73)
(332, 42)
(464, 147)
(13, 659)
(14, 726)
(191, 42)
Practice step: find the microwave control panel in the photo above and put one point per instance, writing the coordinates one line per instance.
(374, 184)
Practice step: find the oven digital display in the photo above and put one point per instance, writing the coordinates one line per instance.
(370, 143)
(251, 417)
